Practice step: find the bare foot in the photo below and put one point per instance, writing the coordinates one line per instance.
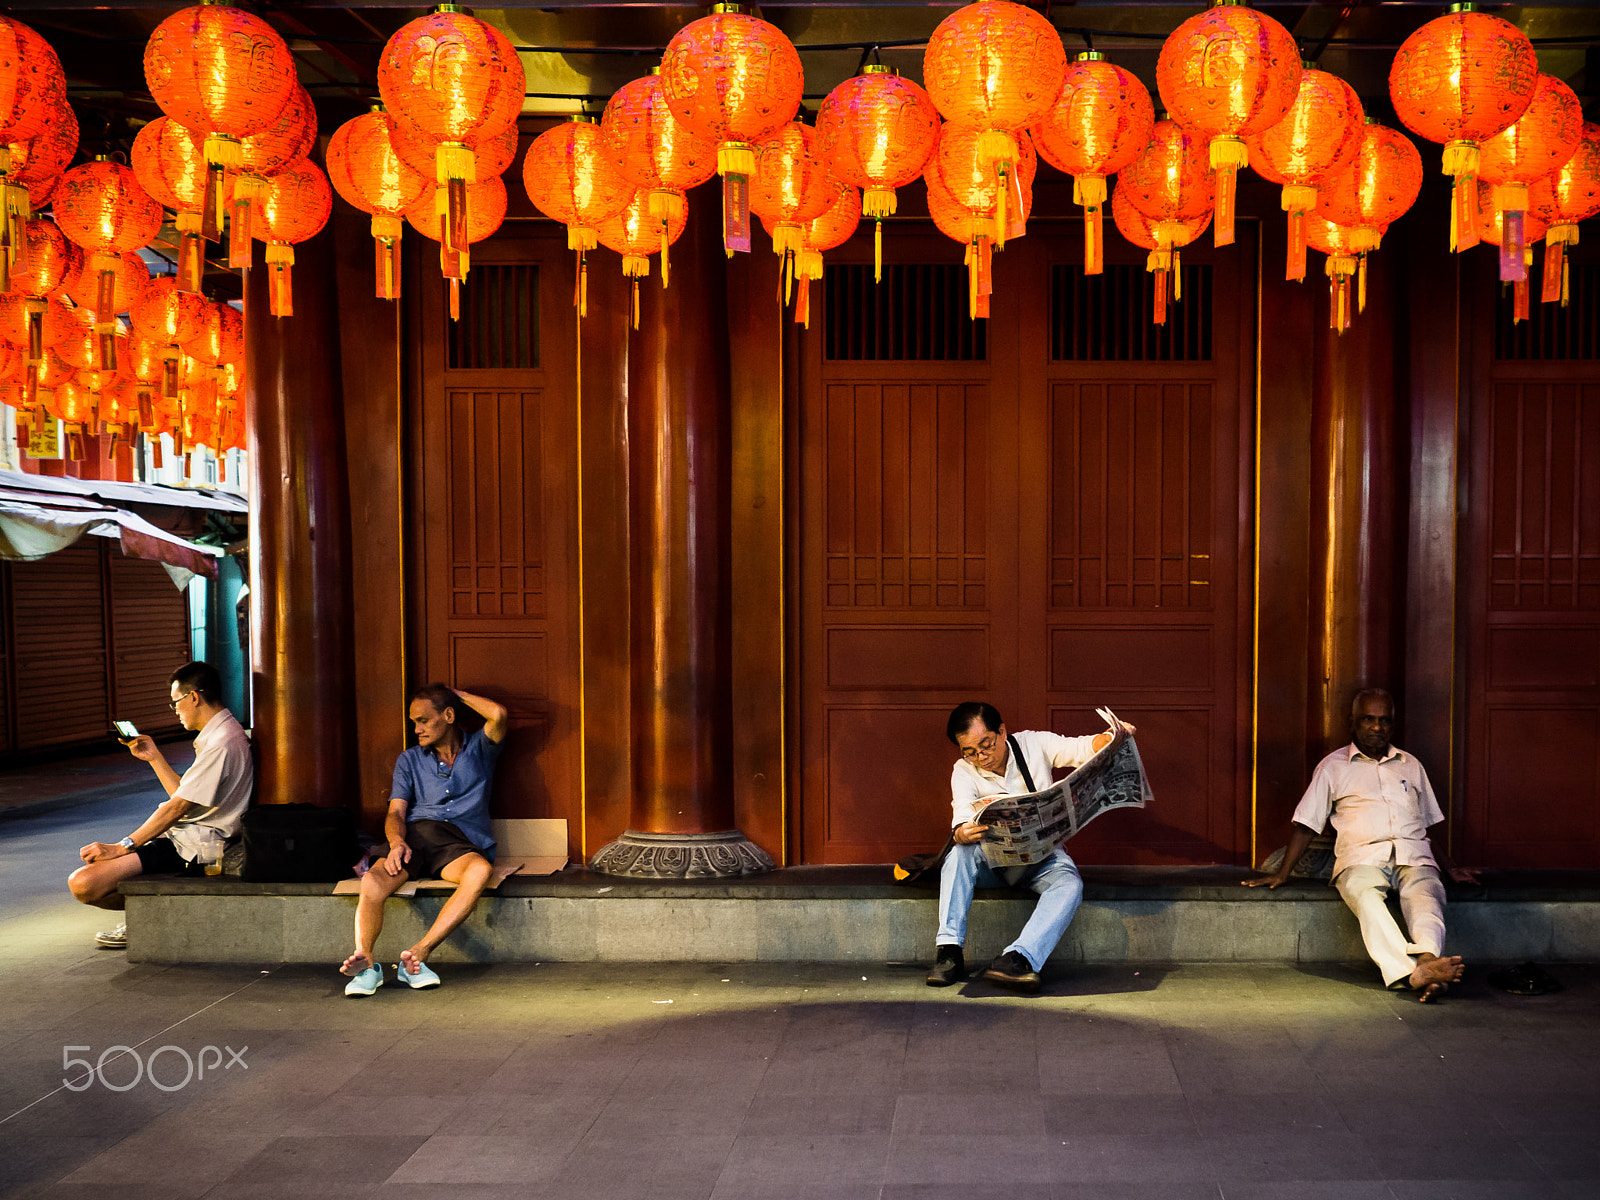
(410, 961)
(356, 963)
(1432, 975)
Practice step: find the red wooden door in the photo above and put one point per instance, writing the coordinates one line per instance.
(984, 513)
(496, 549)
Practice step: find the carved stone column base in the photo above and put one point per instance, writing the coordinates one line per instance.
(681, 856)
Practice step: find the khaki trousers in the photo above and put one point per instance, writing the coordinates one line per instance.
(1365, 890)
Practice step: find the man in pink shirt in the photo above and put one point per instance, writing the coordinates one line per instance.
(1381, 805)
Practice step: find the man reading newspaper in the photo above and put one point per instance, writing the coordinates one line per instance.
(995, 762)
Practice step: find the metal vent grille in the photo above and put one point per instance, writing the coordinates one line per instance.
(1106, 318)
(918, 312)
(499, 325)
(1551, 331)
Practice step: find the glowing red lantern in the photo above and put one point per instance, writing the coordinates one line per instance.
(1563, 198)
(571, 178)
(101, 207)
(733, 79)
(167, 317)
(458, 81)
(294, 208)
(656, 154)
(875, 131)
(1461, 79)
(790, 187)
(262, 155)
(975, 230)
(1164, 239)
(1227, 73)
(224, 74)
(832, 229)
(1374, 187)
(32, 90)
(1099, 124)
(130, 281)
(1494, 226)
(965, 173)
(43, 259)
(1171, 180)
(1320, 130)
(1346, 260)
(635, 234)
(485, 207)
(491, 157)
(1531, 147)
(366, 169)
(170, 164)
(30, 177)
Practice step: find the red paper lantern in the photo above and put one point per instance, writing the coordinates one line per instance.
(32, 92)
(170, 164)
(1225, 74)
(43, 260)
(636, 235)
(1321, 129)
(491, 157)
(484, 206)
(1460, 80)
(130, 281)
(101, 207)
(1171, 180)
(571, 178)
(1374, 187)
(220, 336)
(1099, 124)
(1347, 249)
(1537, 143)
(224, 74)
(966, 175)
(365, 167)
(167, 316)
(458, 81)
(975, 230)
(996, 66)
(72, 403)
(791, 186)
(35, 168)
(272, 151)
(1563, 198)
(78, 349)
(1495, 226)
(1164, 238)
(832, 229)
(656, 154)
(733, 79)
(875, 131)
(294, 207)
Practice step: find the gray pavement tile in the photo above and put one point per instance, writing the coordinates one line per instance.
(345, 1165)
(1477, 1189)
(1123, 1158)
(450, 1159)
(1566, 1156)
(775, 1164)
(679, 1168)
(1147, 1072)
(1466, 1157)
(1308, 1189)
(1009, 1113)
(35, 1161)
(1284, 1155)
(1546, 1111)
(819, 1114)
(1247, 1112)
(1069, 1116)
(1169, 1190)
(1374, 1111)
(556, 1115)
(953, 1157)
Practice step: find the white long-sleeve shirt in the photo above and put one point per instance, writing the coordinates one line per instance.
(1377, 806)
(971, 786)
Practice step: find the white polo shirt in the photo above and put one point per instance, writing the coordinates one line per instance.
(1378, 807)
(220, 781)
(971, 786)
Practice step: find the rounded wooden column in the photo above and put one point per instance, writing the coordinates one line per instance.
(303, 671)
(1356, 510)
(681, 810)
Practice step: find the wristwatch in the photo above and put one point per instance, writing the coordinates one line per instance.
(126, 842)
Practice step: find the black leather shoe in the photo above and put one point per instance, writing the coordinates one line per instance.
(948, 967)
(1013, 972)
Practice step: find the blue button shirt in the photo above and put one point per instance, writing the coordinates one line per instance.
(458, 793)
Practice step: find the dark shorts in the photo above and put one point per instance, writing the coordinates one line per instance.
(159, 856)
(434, 846)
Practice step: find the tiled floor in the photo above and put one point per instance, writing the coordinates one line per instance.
(792, 1082)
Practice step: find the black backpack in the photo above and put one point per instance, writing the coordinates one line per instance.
(298, 843)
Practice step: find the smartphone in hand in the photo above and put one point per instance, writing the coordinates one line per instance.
(124, 731)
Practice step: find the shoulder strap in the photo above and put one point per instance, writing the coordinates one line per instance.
(1022, 763)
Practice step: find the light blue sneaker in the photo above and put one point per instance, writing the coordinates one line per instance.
(364, 983)
(425, 977)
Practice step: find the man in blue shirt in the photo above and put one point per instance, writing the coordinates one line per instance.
(437, 825)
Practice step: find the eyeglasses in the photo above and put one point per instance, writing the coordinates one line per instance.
(983, 747)
(173, 704)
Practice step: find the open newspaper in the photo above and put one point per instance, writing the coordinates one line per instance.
(1026, 829)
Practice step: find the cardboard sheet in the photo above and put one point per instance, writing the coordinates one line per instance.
(536, 846)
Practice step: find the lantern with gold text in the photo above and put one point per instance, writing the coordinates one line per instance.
(1163, 239)
(1320, 130)
(1494, 227)
(733, 79)
(831, 230)
(458, 81)
(36, 167)
(1563, 198)
(1537, 143)
(974, 230)
(656, 154)
(1461, 79)
(44, 259)
(262, 155)
(1171, 180)
(491, 157)
(294, 207)
(167, 317)
(224, 74)
(131, 279)
(995, 66)
(366, 169)
(634, 234)
(144, 361)
(485, 208)
(1099, 124)
(1371, 190)
(170, 164)
(875, 132)
(101, 207)
(29, 316)
(571, 178)
(1225, 74)
(791, 187)
(971, 180)
(32, 91)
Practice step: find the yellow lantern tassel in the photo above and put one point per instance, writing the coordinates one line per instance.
(222, 154)
(736, 162)
(191, 251)
(583, 287)
(1228, 157)
(1461, 163)
(666, 241)
(1565, 283)
(453, 165)
(636, 304)
(280, 259)
(1002, 187)
(1361, 283)
(1177, 278)
(386, 231)
(972, 280)
(877, 252)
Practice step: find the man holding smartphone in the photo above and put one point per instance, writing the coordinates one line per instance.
(201, 813)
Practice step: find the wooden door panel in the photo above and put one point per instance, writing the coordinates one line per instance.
(888, 781)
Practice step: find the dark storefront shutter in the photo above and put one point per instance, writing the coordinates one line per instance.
(150, 639)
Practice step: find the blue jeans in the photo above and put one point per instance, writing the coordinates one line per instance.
(1055, 879)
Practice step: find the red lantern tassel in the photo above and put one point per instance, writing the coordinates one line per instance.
(735, 214)
(1093, 240)
(191, 261)
(1512, 268)
(636, 304)
(1159, 313)
(972, 281)
(239, 244)
(1223, 229)
(455, 220)
(1296, 269)
(34, 308)
(1519, 299)
(802, 304)
(1554, 259)
(75, 446)
(1464, 213)
(280, 261)
(30, 386)
(386, 267)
